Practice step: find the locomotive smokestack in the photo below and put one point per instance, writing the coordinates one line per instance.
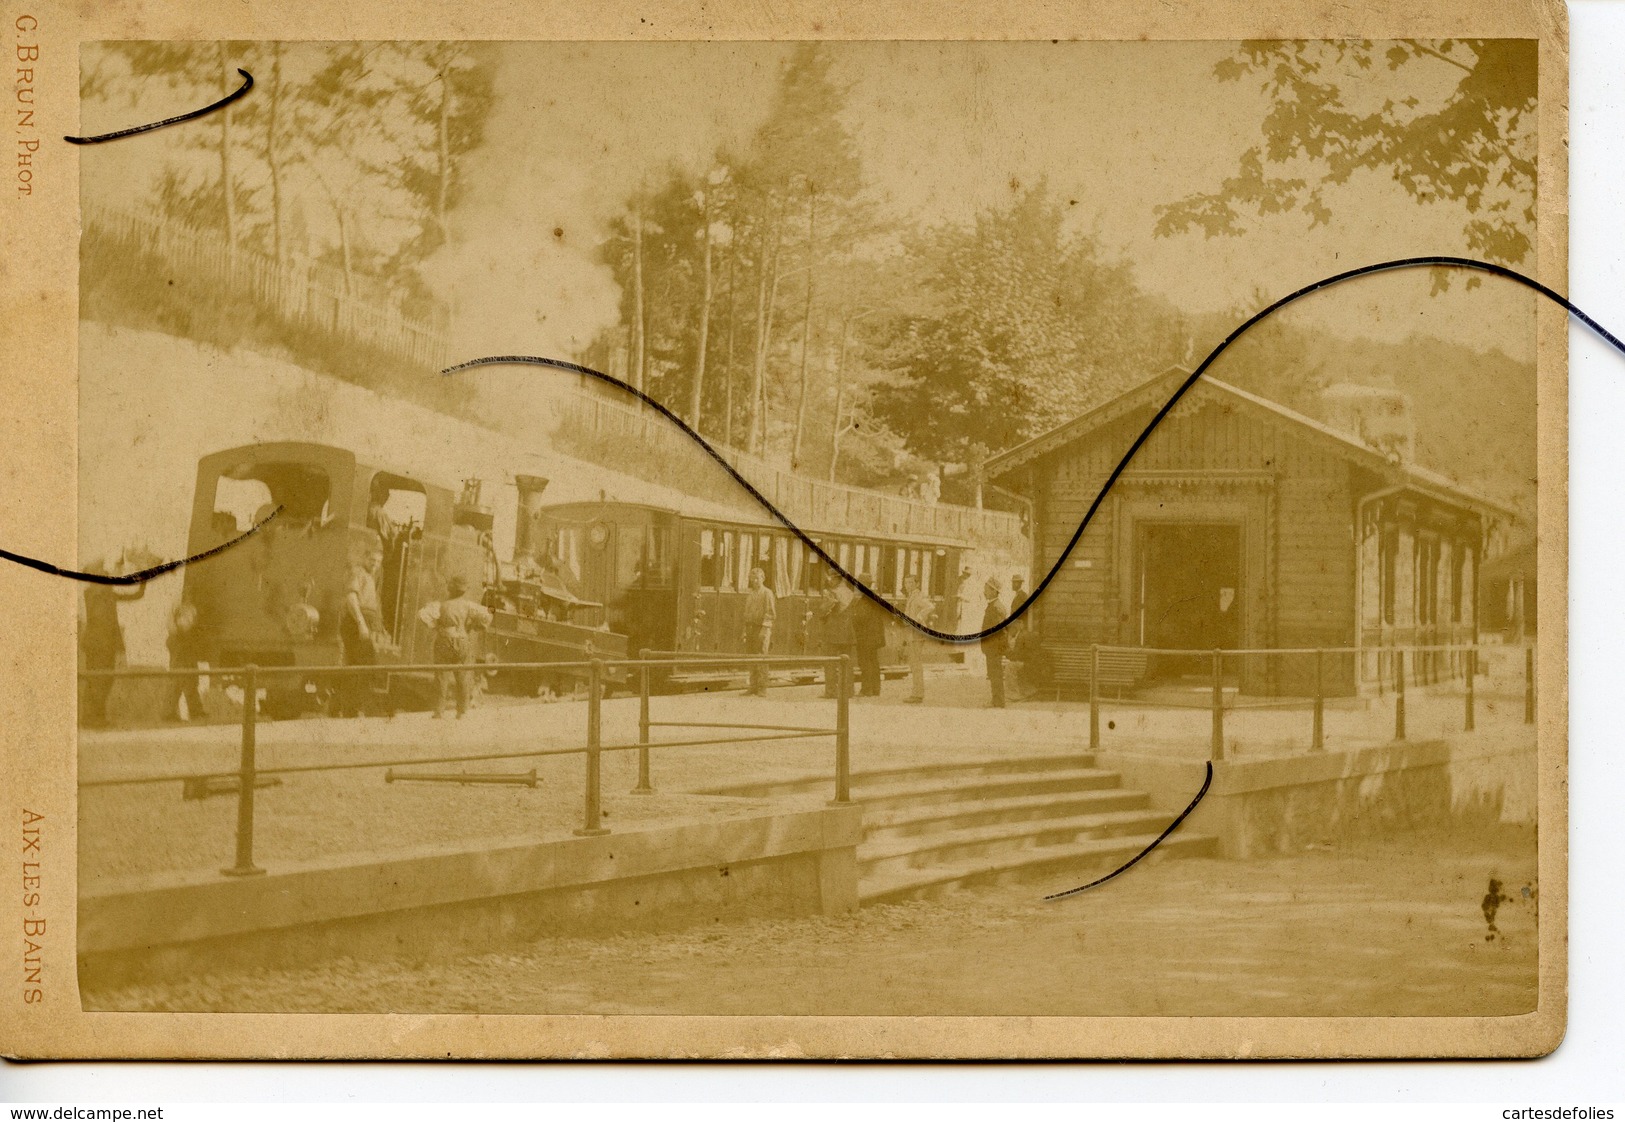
(530, 501)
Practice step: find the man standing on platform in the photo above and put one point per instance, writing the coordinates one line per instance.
(836, 627)
(761, 609)
(452, 619)
(993, 645)
(868, 636)
(361, 631)
(917, 607)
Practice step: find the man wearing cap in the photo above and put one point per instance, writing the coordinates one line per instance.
(993, 646)
(452, 619)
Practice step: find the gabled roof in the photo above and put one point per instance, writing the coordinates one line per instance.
(1156, 392)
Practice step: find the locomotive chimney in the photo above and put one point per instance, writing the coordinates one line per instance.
(530, 501)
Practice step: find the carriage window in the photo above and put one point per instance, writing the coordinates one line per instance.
(657, 571)
(565, 551)
(869, 563)
(631, 560)
(843, 554)
(890, 576)
(791, 556)
(725, 560)
(709, 576)
(248, 493)
(812, 574)
(765, 561)
(934, 573)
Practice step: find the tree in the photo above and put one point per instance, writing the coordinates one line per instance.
(1027, 325)
(785, 209)
(1473, 144)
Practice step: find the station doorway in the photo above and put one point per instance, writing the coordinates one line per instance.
(1190, 591)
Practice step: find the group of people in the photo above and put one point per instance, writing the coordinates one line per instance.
(846, 622)
(843, 622)
(453, 620)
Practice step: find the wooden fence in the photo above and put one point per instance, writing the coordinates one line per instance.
(304, 294)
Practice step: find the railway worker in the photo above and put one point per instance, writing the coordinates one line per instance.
(917, 607)
(993, 646)
(102, 640)
(452, 620)
(761, 610)
(868, 636)
(361, 629)
(837, 626)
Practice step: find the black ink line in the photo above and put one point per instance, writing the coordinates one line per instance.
(1122, 465)
(248, 84)
(141, 575)
(1207, 782)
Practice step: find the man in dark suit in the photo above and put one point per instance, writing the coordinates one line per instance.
(868, 636)
(993, 647)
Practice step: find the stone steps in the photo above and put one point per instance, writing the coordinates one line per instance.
(931, 828)
(1065, 866)
(881, 859)
(907, 821)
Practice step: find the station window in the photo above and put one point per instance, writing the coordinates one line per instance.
(1389, 550)
(1457, 584)
(1427, 580)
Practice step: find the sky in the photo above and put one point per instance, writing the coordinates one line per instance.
(944, 129)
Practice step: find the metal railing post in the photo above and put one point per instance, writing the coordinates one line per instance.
(244, 866)
(1094, 697)
(1472, 672)
(593, 823)
(1399, 694)
(644, 787)
(1529, 685)
(843, 732)
(1217, 748)
(1318, 742)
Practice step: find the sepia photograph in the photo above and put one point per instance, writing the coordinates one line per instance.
(790, 529)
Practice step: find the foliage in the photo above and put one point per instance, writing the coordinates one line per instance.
(1473, 144)
(345, 152)
(1029, 325)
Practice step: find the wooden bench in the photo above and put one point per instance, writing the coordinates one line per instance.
(1070, 666)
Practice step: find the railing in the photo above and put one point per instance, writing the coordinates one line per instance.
(1410, 668)
(251, 678)
(811, 502)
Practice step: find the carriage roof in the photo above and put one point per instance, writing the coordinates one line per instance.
(760, 520)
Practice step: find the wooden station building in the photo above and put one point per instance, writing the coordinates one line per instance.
(1241, 524)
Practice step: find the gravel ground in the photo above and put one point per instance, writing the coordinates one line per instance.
(1382, 929)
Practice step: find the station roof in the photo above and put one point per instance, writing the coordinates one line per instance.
(1155, 393)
